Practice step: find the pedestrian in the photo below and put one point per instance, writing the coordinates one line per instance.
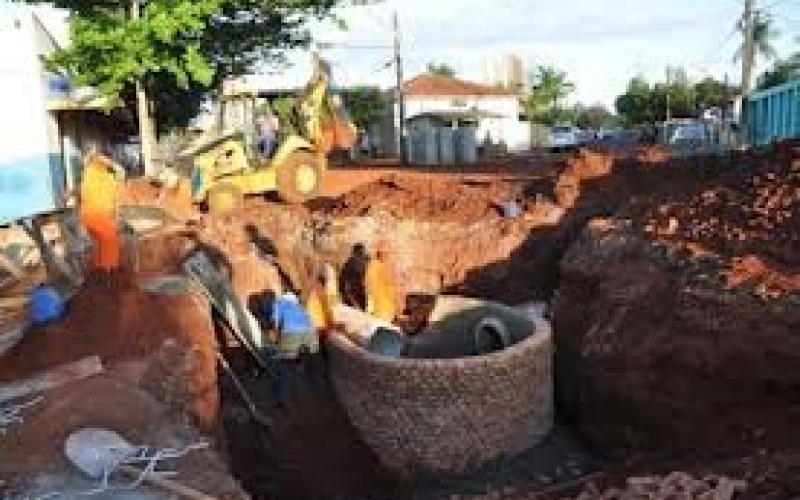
(380, 285)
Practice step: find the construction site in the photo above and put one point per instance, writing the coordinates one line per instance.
(668, 369)
(315, 292)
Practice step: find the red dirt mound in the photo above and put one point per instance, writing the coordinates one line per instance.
(117, 321)
(750, 216)
(418, 198)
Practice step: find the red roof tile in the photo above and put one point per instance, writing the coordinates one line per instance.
(426, 85)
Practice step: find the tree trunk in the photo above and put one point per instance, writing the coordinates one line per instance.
(147, 133)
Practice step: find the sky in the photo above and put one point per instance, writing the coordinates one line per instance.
(600, 44)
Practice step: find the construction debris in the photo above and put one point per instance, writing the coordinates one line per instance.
(64, 374)
(675, 486)
(12, 415)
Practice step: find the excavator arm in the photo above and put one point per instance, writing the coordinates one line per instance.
(327, 123)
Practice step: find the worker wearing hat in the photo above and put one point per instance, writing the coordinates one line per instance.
(380, 284)
(97, 208)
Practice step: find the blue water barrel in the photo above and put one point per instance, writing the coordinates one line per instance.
(45, 305)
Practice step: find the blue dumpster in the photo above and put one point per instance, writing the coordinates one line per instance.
(773, 114)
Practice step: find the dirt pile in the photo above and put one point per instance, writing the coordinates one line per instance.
(678, 485)
(652, 348)
(749, 216)
(118, 321)
(419, 198)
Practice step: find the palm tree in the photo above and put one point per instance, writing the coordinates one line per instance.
(549, 88)
(764, 34)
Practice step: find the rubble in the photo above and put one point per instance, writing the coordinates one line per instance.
(674, 486)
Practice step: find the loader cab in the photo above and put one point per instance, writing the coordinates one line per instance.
(236, 114)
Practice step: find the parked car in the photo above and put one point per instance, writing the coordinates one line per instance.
(564, 137)
(685, 133)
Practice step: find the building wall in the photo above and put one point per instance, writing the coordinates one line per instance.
(506, 70)
(502, 133)
(30, 169)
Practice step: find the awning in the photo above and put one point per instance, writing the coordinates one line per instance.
(71, 104)
(467, 114)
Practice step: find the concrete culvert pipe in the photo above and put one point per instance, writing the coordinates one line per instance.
(425, 417)
(491, 335)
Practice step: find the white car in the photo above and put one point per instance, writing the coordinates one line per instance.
(563, 137)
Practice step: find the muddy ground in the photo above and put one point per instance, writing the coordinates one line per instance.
(674, 286)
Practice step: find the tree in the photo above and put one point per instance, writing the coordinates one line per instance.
(595, 116)
(364, 104)
(764, 34)
(550, 87)
(440, 69)
(643, 103)
(781, 72)
(636, 104)
(174, 48)
(712, 93)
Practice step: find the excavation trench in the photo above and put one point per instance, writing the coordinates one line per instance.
(312, 450)
(620, 279)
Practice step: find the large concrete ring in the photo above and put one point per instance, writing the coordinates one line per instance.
(431, 416)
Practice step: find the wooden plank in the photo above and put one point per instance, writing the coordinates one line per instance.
(61, 375)
(223, 299)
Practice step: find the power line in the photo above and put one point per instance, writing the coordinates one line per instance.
(776, 3)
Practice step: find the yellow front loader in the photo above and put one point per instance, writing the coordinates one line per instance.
(225, 164)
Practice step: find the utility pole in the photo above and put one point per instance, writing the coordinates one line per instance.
(401, 105)
(669, 83)
(748, 48)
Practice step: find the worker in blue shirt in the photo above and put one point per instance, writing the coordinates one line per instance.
(296, 340)
(293, 325)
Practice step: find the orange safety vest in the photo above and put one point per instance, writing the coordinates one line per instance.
(98, 209)
(381, 290)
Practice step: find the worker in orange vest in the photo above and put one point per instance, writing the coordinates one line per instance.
(380, 284)
(322, 297)
(97, 208)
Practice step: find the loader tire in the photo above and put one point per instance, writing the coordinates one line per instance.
(299, 177)
(224, 199)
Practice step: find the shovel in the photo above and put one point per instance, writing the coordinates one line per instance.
(95, 451)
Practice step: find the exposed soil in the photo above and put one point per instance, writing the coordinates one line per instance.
(675, 320)
(435, 198)
(675, 316)
(118, 321)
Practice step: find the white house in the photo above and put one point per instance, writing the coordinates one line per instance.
(494, 110)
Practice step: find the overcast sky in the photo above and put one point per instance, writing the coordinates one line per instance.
(601, 44)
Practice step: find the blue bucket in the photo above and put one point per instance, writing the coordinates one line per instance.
(46, 305)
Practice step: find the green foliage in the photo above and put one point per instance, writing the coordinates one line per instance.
(781, 72)
(550, 87)
(764, 35)
(440, 69)
(179, 49)
(364, 104)
(643, 103)
(593, 117)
